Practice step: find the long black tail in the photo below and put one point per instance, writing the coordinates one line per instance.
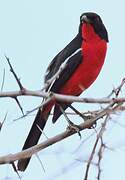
(33, 136)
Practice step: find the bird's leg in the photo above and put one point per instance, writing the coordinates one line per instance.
(83, 116)
(72, 126)
(80, 114)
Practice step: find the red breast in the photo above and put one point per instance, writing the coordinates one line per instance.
(94, 51)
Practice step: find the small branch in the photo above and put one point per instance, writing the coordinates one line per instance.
(90, 159)
(40, 162)
(78, 113)
(3, 80)
(99, 136)
(60, 97)
(42, 131)
(100, 155)
(33, 150)
(15, 75)
(87, 113)
(1, 124)
(117, 90)
(36, 108)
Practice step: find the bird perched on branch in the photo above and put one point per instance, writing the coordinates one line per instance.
(84, 57)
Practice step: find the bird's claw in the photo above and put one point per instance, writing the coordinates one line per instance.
(90, 117)
(87, 117)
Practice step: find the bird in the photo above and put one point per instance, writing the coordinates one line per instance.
(84, 57)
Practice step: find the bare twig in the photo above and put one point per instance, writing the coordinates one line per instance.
(33, 150)
(99, 136)
(40, 162)
(78, 113)
(100, 155)
(42, 131)
(114, 105)
(36, 108)
(2, 84)
(87, 113)
(1, 123)
(60, 97)
(117, 90)
(15, 75)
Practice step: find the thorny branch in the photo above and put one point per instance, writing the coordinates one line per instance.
(99, 137)
(13, 72)
(117, 90)
(36, 108)
(33, 150)
(100, 156)
(115, 104)
(61, 98)
(64, 98)
(19, 84)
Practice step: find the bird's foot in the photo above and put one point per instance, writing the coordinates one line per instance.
(84, 117)
(88, 117)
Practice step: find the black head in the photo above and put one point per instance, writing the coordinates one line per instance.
(95, 20)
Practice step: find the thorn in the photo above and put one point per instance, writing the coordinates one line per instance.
(40, 162)
(2, 84)
(15, 75)
(17, 101)
(42, 131)
(15, 169)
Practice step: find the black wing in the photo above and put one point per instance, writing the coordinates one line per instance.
(73, 46)
(72, 65)
(71, 53)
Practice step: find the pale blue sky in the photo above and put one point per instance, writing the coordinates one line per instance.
(32, 32)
